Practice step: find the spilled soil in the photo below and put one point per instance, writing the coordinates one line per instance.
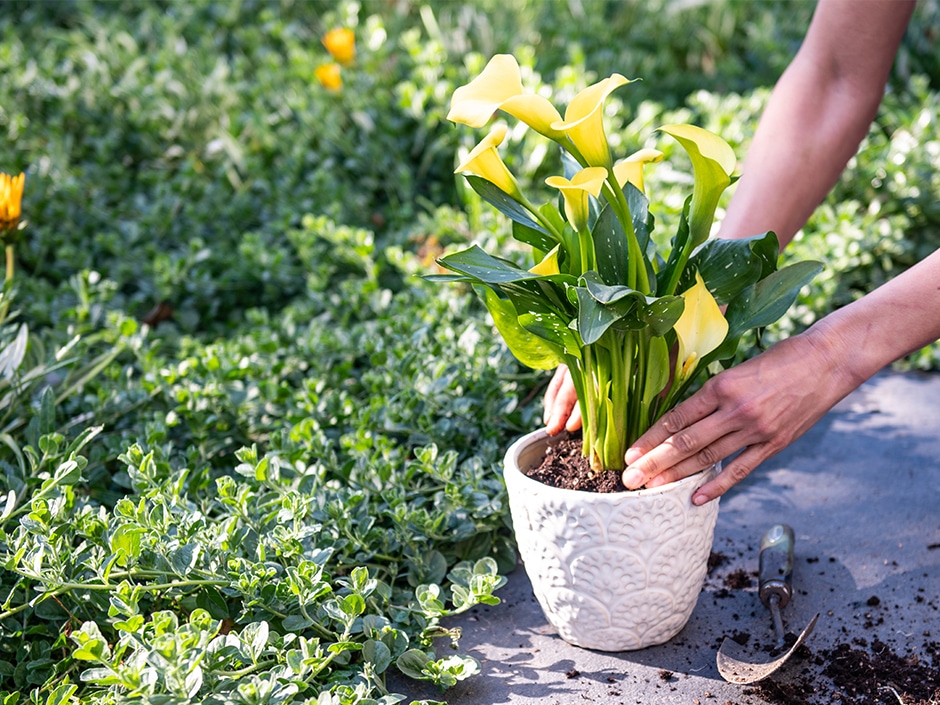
(855, 674)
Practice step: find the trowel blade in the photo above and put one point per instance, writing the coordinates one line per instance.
(734, 664)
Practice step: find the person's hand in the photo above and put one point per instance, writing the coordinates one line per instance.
(561, 404)
(758, 407)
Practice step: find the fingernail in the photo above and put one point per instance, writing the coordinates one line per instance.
(632, 455)
(699, 499)
(632, 478)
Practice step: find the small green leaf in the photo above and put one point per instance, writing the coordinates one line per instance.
(413, 664)
(378, 654)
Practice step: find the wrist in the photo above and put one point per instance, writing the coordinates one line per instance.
(835, 348)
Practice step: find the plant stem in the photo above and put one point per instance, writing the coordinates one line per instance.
(10, 263)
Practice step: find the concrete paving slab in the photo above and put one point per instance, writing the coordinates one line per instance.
(861, 490)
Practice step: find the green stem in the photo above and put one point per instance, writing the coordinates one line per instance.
(10, 263)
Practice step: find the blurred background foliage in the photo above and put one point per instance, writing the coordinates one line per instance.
(222, 252)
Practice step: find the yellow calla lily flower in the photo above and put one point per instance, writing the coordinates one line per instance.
(584, 123)
(11, 200)
(485, 162)
(713, 162)
(631, 169)
(576, 191)
(499, 87)
(549, 263)
(700, 329)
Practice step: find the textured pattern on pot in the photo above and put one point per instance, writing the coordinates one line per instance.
(613, 572)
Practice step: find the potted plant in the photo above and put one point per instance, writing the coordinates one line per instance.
(638, 322)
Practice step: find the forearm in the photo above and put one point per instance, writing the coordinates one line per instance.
(818, 114)
(901, 316)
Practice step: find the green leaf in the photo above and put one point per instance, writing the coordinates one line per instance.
(764, 302)
(610, 248)
(352, 605)
(378, 654)
(530, 236)
(730, 266)
(413, 664)
(503, 202)
(657, 370)
(594, 318)
(640, 215)
(61, 694)
(480, 265)
(661, 314)
(530, 349)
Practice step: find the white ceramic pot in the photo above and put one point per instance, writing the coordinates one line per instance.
(613, 572)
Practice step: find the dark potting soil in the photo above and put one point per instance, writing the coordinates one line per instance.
(563, 466)
(847, 675)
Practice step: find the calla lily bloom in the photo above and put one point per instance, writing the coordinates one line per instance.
(584, 121)
(700, 329)
(586, 182)
(713, 162)
(631, 169)
(485, 162)
(341, 43)
(329, 76)
(499, 87)
(11, 199)
(549, 263)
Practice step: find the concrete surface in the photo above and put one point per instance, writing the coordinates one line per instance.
(861, 490)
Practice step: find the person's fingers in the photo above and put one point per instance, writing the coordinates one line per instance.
(706, 457)
(690, 449)
(563, 403)
(735, 471)
(574, 421)
(556, 383)
(672, 423)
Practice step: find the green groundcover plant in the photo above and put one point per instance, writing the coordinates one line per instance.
(601, 295)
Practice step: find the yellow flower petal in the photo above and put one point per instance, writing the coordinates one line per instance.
(549, 263)
(475, 103)
(11, 199)
(485, 162)
(499, 87)
(630, 170)
(341, 43)
(329, 76)
(536, 112)
(700, 329)
(584, 123)
(576, 191)
(713, 161)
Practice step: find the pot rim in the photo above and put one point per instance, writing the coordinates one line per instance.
(511, 464)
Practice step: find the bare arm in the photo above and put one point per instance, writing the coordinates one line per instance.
(817, 115)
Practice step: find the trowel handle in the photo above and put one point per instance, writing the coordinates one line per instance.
(776, 565)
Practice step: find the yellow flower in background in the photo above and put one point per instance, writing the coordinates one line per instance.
(329, 76)
(485, 162)
(341, 43)
(630, 170)
(584, 121)
(499, 87)
(11, 199)
(700, 329)
(586, 182)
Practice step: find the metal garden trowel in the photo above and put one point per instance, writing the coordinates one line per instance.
(775, 590)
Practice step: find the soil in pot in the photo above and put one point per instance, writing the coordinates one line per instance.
(565, 467)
